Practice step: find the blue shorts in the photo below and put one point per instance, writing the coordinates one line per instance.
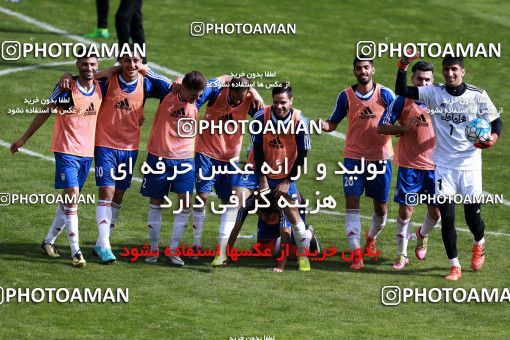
(71, 171)
(252, 182)
(158, 185)
(223, 183)
(267, 232)
(108, 159)
(413, 181)
(377, 188)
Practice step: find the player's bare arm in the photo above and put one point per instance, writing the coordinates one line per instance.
(257, 101)
(326, 125)
(398, 130)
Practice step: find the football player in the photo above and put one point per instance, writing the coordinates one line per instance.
(458, 162)
(415, 166)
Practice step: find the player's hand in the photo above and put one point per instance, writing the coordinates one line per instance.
(489, 143)
(65, 82)
(176, 84)
(263, 185)
(143, 69)
(257, 101)
(16, 145)
(404, 62)
(282, 189)
(323, 124)
(141, 120)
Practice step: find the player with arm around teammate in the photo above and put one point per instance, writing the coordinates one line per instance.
(458, 161)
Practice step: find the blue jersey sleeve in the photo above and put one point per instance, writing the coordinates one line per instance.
(103, 85)
(387, 96)
(257, 138)
(303, 138)
(211, 91)
(340, 110)
(156, 85)
(392, 112)
(252, 111)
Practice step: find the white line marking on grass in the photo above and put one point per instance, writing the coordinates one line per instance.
(33, 67)
(139, 180)
(47, 158)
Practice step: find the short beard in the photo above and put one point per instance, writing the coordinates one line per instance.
(364, 82)
(83, 76)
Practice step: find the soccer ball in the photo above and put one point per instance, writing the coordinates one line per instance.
(478, 130)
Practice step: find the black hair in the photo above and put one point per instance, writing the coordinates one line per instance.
(194, 81)
(282, 88)
(423, 66)
(451, 60)
(240, 83)
(362, 57)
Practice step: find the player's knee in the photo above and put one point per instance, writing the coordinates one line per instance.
(434, 213)
(107, 193)
(380, 208)
(405, 212)
(118, 197)
(352, 202)
(199, 207)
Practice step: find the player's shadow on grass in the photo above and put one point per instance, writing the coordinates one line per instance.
(32, 252)
(332, 264)
(163, 261)
(386, 268)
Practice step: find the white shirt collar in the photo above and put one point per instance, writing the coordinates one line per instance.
(84, 90)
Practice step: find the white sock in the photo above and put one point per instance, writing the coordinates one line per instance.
(227, 223)
(154, 225)
(180, 221)
(302, 241)
(479, 243)
(103, 220)
(402, 229)
(115, 215)
(353, 228)
(428, 225)
(198, 226)
(72, 229)
(58, 224)
(308, 234)
(378, 223)
(454, 262)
